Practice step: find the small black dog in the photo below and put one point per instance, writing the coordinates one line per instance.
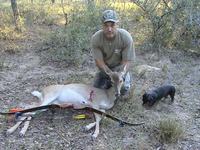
(153, 96)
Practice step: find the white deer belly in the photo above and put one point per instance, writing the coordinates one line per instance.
(69, 96)
(105, 105)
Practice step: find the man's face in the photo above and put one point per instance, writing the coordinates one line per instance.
(109, 29)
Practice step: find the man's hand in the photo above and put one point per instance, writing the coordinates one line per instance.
(102, 66)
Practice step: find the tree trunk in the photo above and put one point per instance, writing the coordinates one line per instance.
(65, 14)
(15, 14)
(90, 1)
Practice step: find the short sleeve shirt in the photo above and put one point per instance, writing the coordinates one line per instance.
(113, 52)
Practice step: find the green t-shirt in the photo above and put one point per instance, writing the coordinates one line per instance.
(113, 52)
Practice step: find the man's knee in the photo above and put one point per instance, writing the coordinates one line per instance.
(128, 80)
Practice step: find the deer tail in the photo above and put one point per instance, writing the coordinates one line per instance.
(37, 94)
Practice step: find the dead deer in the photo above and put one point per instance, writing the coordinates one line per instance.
(79, 96)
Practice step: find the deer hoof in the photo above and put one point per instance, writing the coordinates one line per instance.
(84, 129)
(90, 126)
(21, 135)
(94, 136)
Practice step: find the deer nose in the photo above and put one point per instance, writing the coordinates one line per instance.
(117, 95)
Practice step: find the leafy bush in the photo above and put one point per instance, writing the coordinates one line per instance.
(68, 44)
(3, 64)
(173, 23)
(37, 14)
(157, 23)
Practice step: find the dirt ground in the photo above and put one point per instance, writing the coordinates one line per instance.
(26, 71)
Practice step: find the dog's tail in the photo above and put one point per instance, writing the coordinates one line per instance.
(37, 94)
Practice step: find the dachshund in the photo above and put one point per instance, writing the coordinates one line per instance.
(153, 96)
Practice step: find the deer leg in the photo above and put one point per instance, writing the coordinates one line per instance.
(98, 119)
(96, 131)
(90, 126)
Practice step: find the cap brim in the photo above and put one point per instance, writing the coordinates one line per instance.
(110, 20)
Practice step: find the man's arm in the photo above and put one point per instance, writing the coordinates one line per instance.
(128, 54)
(102, 66)
(97, 54)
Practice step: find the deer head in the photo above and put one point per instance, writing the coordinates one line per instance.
(117, 78)
(117, 81)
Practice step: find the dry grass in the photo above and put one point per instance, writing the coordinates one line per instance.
(3, 64)
(27, 74)
(170, 131)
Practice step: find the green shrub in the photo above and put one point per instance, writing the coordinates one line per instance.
(153, 23)
(3, 64)
(169, 131)
(68, 44)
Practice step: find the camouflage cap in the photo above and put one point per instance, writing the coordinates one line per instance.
(109, 15)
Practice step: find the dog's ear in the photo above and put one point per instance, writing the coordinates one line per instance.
(144, 96)
(143, 92)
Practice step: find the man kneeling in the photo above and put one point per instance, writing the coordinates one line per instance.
(113, 50)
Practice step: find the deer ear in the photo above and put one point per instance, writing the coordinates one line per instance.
(145, 96)
(123, 70)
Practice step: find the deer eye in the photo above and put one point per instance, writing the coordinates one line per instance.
(120, 81)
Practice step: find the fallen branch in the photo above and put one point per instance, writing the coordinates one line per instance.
(13, 128)
(26, 125)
